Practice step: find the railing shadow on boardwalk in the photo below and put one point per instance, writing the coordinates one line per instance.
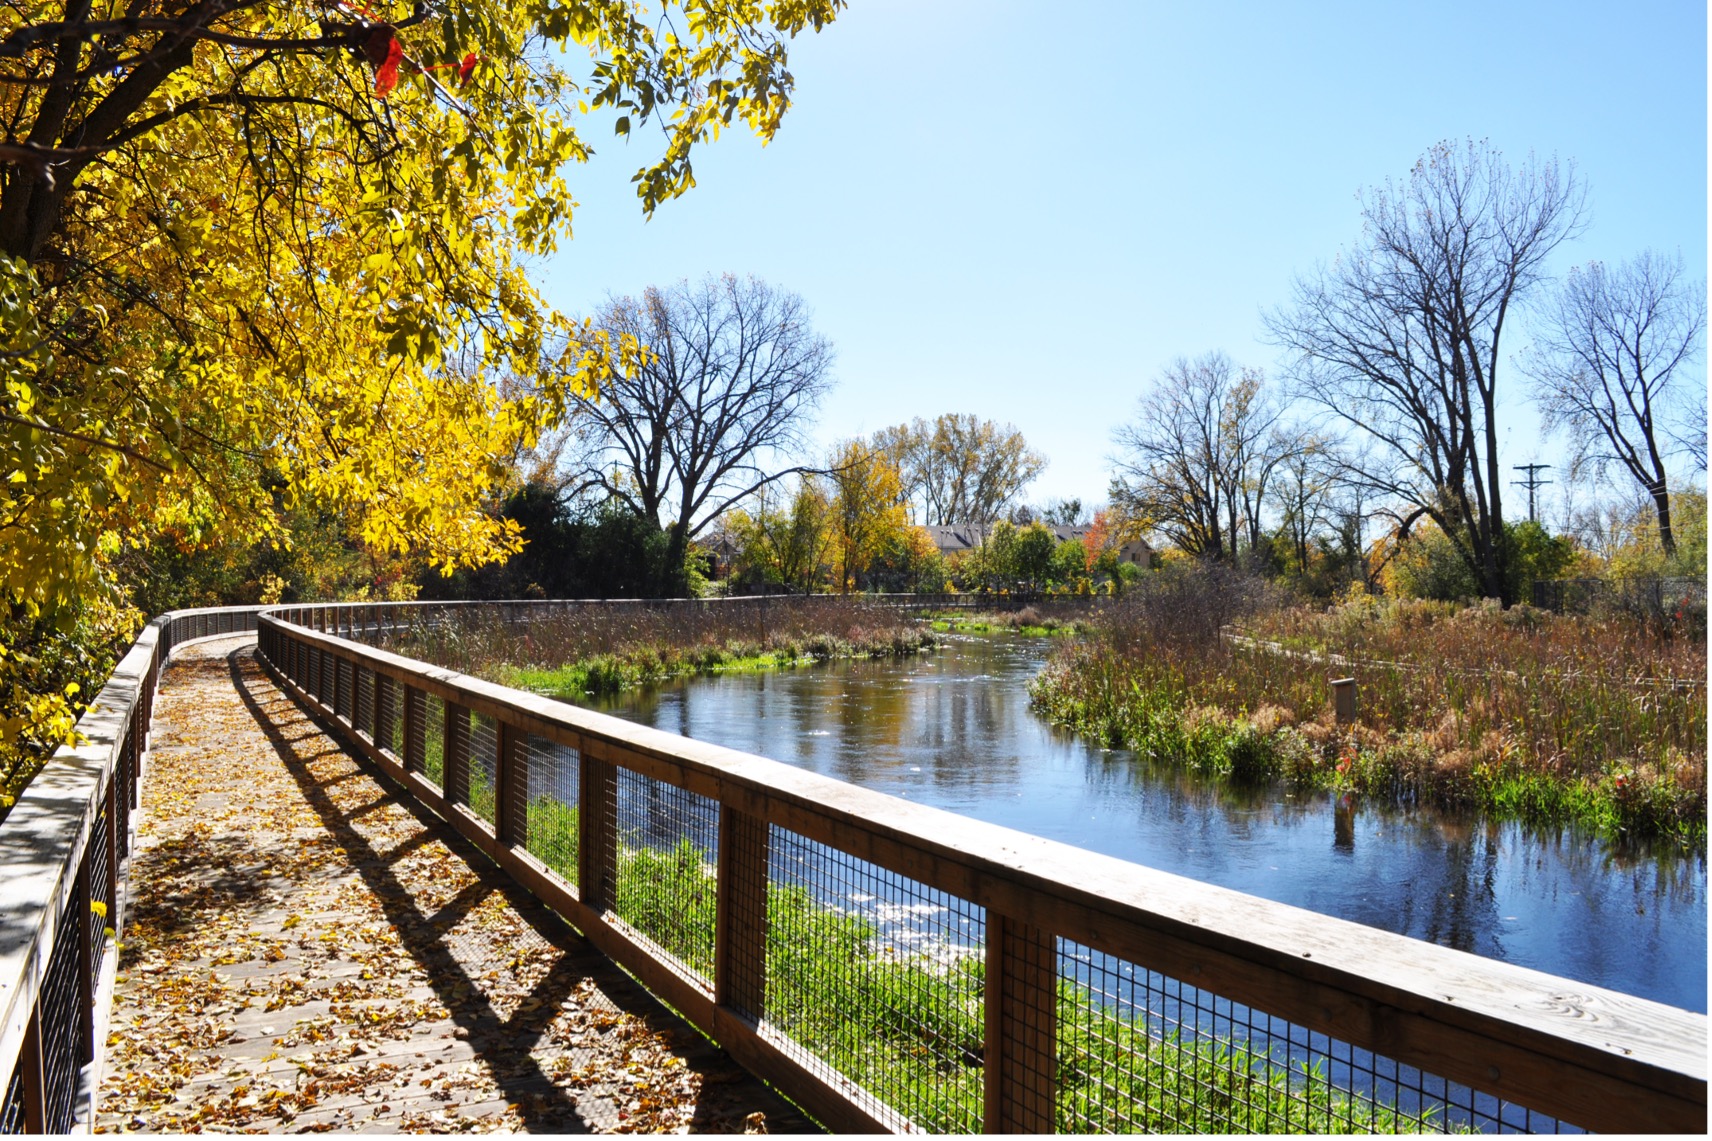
(1017, 983)
(505, 1043)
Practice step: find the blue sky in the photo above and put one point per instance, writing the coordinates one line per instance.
(1026, 210)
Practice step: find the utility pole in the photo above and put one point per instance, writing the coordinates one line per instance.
(1533, 483)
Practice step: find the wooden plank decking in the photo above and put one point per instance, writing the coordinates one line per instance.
(308, 952)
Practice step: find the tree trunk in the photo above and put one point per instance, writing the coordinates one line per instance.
(672, 581)
(1667, 536)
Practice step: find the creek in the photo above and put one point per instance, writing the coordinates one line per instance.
(953, 729)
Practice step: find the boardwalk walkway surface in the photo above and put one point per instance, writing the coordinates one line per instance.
(307, 951)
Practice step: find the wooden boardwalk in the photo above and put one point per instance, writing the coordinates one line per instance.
(307, 952)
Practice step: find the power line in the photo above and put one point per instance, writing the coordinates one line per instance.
(1533, 483)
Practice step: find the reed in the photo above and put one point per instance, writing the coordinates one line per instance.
(601, 648)
(1519, 712)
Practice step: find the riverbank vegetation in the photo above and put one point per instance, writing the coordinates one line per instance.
(1599, 719)
(1045, 619)
(607, 647)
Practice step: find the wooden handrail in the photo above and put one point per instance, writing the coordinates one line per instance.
(1587, 1055)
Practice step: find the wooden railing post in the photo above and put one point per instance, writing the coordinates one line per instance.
(34, 1075)
(511, 797)
(597, 840)
(740, 924)
(1021, 1064)
(455, 754)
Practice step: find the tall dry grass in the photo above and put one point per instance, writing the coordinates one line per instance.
(604, 646)
(1522, 711)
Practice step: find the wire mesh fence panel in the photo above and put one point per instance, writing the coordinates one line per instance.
(668, 841)
(484, 767)
(363, 721)
(96, 857)
(389, 715)
(60, 1022)
(342, 671)
(12, 1109)
(879, 976)
(433, 721)
(125, 777)
(552, 804)
(1143, 1052)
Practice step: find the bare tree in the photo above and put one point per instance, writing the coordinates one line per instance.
(960, 469)
(1307, 477)
(1689, 430)
(733, 372)
(1200, 455)
(1401, 338)
(1608, 365)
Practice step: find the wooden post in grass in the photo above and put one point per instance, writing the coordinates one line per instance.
(1343, 700)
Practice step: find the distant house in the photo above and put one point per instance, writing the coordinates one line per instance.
(967, 536)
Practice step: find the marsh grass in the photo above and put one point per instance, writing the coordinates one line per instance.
(1521, 713)
(1030, 621)
(600, 649)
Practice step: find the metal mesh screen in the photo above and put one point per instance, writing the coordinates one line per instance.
(1142, 1051)
(124, 788)
(99, 884)
(311, 676)
(668, 839)
(342, 671)
(60, 1022)
(12, 1109)
(389, 716)
(363, 722)
(551, 809)
(484, 767)
(881, 977)
(433, 714)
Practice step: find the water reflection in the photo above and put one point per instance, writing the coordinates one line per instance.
(954, 730)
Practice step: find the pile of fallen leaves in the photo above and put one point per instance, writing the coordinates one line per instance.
(305, 953)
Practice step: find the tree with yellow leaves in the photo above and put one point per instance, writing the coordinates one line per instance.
(255, 255)
(868, 508)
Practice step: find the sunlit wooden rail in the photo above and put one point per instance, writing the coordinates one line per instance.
(1096, 995)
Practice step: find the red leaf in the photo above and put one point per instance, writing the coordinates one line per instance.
(386, 75)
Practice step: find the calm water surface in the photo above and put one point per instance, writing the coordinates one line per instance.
(953, 729)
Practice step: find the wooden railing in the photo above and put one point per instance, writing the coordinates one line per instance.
(64, 853)
(1200, 997)
(1106, 996)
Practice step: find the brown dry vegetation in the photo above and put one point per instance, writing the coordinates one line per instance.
(1520, 711)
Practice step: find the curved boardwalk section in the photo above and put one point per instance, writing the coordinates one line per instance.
(308, 952)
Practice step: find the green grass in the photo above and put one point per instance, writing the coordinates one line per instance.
(607, 674)
(1028, 622)
(909, 1027)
